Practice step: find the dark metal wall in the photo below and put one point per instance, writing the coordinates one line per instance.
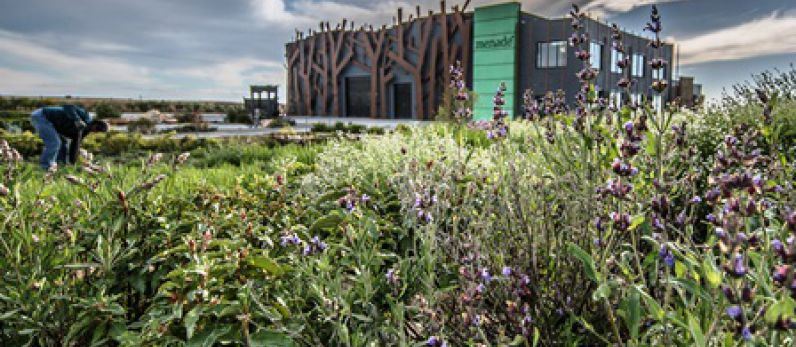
(534, 29)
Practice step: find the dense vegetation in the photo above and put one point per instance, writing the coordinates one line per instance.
(426, 233)
(600, 226)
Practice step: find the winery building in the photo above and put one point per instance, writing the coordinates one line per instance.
(402, 71)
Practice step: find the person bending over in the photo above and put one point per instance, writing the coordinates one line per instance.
(62, 128)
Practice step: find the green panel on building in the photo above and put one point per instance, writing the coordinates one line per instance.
(495, 38)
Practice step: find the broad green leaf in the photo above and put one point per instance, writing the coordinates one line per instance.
(783, 308)
(696, 331)
(207, 338)
(586, 259)
(190, 321)
(602, 292)
(267, 264)
(652, 305)
(711, 275)
(329, 221)
(267, 338)
(633, 306)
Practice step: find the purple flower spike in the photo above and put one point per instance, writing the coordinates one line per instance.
(486, 276)
(628, 127)
(711, 218)
(734, 312)
(746, 333)
(506, 271)
(777, 245)
(739, 269)
(669, 260)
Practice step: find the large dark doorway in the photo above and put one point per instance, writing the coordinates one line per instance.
(402, 98)
(357, 102)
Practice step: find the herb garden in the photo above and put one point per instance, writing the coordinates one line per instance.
(592, 226)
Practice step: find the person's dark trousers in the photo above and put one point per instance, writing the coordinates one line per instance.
(55, 147)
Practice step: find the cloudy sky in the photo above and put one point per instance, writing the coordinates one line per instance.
(209, 49)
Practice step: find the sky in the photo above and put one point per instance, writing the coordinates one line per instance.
(213, 50)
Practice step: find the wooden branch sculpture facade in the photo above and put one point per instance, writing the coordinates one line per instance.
(419, 50)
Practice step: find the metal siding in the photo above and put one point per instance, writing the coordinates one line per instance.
(492, 65)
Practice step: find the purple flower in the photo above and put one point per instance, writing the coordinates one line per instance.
(720, 233)
(628, 127)
(739, 269)
(390, 275)
(526, 280)
(477, 320)
(481, 288)
(746, 333)
(485, 275)
(365, 198)
(666, 255)
(433, 341)
(307, 250)
(741, 237)
(734, 312)
(776, 244)
(506, 271)
(696, 199)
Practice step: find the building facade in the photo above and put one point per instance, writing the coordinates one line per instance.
(402, 71)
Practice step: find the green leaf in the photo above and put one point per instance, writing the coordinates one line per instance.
(208, 337)
(652, 305)
(329, 221)
(637, 220)
(602, 292)
(586, 259)
(633, 306)
(190, 321)
(696, 331)
(781, 309)
(711, 274)
(519, 340)
(268, 264)
(267, 338)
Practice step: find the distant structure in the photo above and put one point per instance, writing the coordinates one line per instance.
(402, 71)
(687, 93)
(259, 107)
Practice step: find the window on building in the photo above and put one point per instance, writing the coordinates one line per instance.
(616, 98)
(659, 74)
(615, 58)
(638, 65)
(596, 51)
(551, 54)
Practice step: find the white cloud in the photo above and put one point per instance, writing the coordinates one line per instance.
(69, 69)
(603, 7)
(231, 78)
(106, 47)
(760, 37)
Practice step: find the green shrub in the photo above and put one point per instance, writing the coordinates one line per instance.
(238, 115)
(321, 128)
(142, 126)
(107, 111)
(281, 122)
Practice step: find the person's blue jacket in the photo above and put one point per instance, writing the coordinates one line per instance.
(71, 122)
